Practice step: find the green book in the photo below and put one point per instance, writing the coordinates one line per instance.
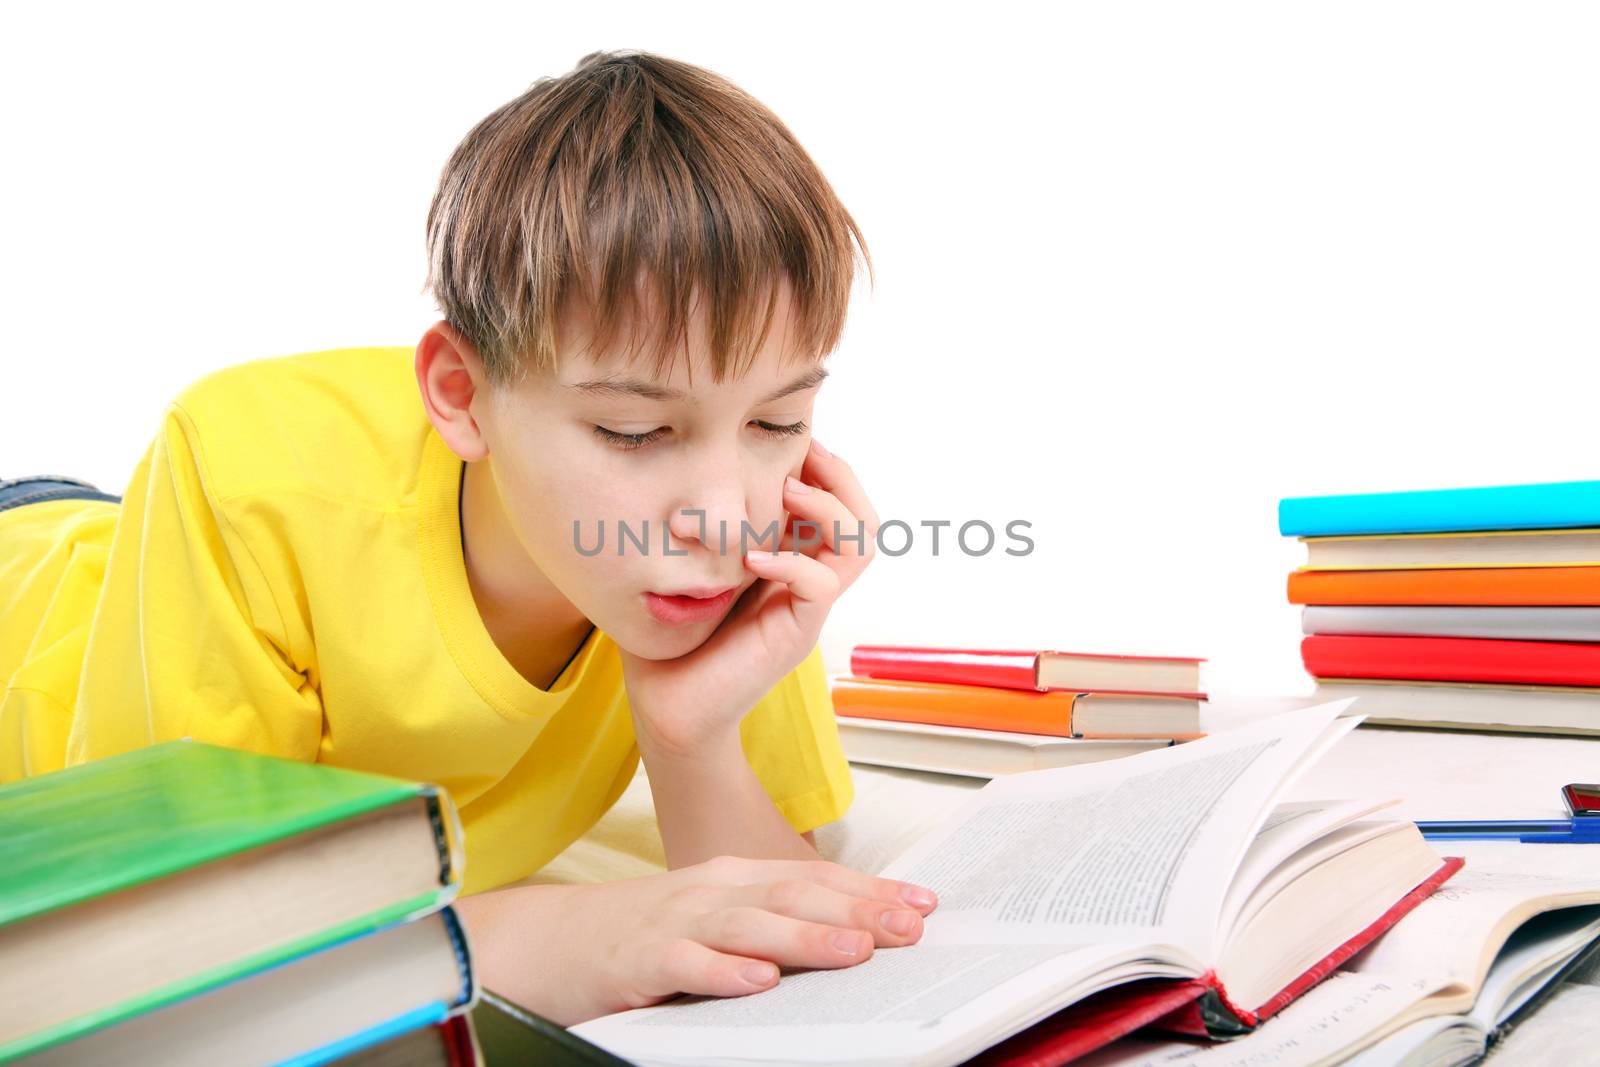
(135, 881)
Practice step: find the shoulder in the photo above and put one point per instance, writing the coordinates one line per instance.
(344, 423)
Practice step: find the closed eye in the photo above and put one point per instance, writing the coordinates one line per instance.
(629, 441)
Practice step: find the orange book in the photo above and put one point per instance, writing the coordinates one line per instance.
(1525, 586)
(1056, 713)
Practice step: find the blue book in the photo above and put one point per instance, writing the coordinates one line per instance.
(1548, 505)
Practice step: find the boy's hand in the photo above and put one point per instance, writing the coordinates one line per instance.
(572, 953)
(680, 704)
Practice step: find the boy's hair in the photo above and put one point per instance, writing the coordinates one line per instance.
(631, 183)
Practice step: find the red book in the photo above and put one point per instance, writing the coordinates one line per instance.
(1453, 659)
(1197, 1008)
(1035, 670)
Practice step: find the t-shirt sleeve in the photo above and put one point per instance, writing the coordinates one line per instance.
(188, 639)
(792, 743)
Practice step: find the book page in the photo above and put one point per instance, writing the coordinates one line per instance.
(1141, 848)
(943, 1002)
(1564, 1029)
(1453, 935)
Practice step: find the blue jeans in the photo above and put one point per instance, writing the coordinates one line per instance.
(20, 491)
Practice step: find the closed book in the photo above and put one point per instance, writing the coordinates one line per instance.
(512, 1035)
(451, 1043)
(1035, 669)
(974, 753)
(1056, 713)
(1424, 620)
(1510, 586)
(1530, 709)
(141, 879)
(1543, 505)
(1494, 548)
(1452, 659)
(341, 998)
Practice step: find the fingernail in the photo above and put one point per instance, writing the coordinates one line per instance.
(848, 943)
(795, 485)
(816, 446)
(899, 922)
(758, 554)
(759, 974)
(918, 897)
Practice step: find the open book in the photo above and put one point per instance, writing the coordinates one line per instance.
(1451, 979)
(1056, 884)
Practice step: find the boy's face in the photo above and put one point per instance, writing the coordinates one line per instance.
(600, 442)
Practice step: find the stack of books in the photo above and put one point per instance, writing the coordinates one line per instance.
(983, 712)
(1455, 608)
(191, 904)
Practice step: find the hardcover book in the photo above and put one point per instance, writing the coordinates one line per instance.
(1055, 712)
(141, 879)
(1543, 505)
(1080, 672)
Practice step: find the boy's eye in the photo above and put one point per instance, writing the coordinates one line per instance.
(629, 441)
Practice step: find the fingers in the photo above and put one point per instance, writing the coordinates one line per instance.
(787, 941)
(834, 474)
(827, 522)
(812, 584)
(844, 880)
(733, 870)
(731, 923)
(683, 965)
(889, 923)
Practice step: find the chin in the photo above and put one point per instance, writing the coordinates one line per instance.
(658, 641)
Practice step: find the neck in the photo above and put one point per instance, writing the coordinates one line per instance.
(535, 627)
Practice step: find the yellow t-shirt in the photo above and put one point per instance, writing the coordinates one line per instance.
(285, 574)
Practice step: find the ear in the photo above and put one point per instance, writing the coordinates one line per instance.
(450, 377)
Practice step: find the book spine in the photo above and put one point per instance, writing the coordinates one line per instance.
(1506, 507)
(1452, 659)
(1509, 586)
(1004, 669)
(940, 704)
(1497, 623)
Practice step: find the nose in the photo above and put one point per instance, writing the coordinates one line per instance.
(711, 508)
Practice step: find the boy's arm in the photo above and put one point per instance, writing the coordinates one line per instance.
(188, 639)
(781, 770)
(710, 803)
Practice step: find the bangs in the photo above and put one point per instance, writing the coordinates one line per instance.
(650, 191)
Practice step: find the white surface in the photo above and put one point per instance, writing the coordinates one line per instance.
(1142, 268)
(1443, 775)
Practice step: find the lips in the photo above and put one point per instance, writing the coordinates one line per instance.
(704, 592)
(679, 608)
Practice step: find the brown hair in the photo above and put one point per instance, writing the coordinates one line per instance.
(631, 182)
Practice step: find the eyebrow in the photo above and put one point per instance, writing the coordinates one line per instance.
(651, 391)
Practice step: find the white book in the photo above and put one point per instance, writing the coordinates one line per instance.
(1486, 548)
(1056, 884)
(1511, 624)
(1534, 709)
(975, 753)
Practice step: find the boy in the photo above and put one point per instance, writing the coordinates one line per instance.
(309, 562)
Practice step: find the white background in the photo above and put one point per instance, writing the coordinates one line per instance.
(1142, 269)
